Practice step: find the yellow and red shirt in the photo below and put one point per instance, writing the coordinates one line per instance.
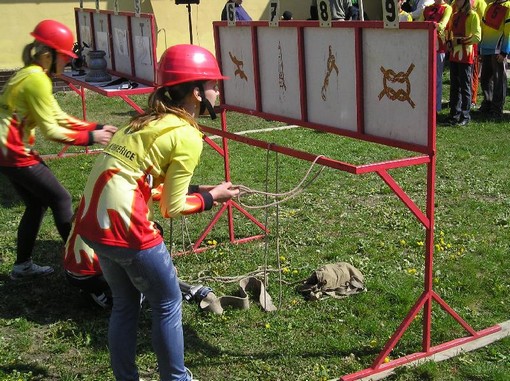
(440, 15)
(27, 102)
(461, 25)
(496, 29)
(116, 207)
(80, 258)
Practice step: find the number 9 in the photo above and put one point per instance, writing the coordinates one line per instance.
(391, 11)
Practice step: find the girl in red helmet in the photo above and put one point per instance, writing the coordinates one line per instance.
(27, 103)
(162, 146)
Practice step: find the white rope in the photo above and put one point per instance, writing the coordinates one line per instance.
(266, 269)
(244, 190)
(259, 272)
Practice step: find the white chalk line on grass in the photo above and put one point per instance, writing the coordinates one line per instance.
(258, 130)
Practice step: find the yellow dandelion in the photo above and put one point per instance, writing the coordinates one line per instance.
(282, 258)
(285, 270)
(267, 325)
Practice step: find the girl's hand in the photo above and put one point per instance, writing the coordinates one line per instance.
(223, 192)
(111, 129)
(102, 136)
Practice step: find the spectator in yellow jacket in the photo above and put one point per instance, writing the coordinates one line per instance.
(464, 32)
(494, 49)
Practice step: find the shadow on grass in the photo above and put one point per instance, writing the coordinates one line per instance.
(37, 372)
(8, 196)
(49, 299)
(57, 311)
(443, 119)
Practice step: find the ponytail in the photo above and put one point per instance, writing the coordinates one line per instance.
(31, 52)
(166, 100)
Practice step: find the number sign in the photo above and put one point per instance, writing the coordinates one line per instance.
(324, 11)
(274, 13)
(390, 13)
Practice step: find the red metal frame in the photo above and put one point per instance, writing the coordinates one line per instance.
(428, 158)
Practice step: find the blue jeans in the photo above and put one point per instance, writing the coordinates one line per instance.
(150, 272)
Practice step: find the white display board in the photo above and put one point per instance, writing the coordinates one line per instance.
(237, 54)
(127, 38)
(357, 79)
(331, 82)
(103, 37)
(396, 82)
(121, 44)
(279, 71)
(143, 55)
(84, 28)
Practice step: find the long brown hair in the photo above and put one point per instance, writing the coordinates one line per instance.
(466, 7)
(166, 100)
(32, 51)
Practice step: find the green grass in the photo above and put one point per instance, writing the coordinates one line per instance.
(48, 332)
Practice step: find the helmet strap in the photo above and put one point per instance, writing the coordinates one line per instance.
(53, 67)
(205, 104)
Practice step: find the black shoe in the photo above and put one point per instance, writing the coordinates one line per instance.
(496, 115)
(463, 122)
(453, 121)
(485, 107)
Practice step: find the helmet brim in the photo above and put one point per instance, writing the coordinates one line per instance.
(188, 79)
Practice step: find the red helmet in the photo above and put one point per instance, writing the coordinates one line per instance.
(55, 35)
(187, 63)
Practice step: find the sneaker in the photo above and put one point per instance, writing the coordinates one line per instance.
(453, 121)
(102, 300)
(29, 270)
(190, 375)
(483, 109)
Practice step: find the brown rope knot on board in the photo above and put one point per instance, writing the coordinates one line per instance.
(400, 94)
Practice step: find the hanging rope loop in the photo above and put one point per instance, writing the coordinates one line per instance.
(300, 187)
